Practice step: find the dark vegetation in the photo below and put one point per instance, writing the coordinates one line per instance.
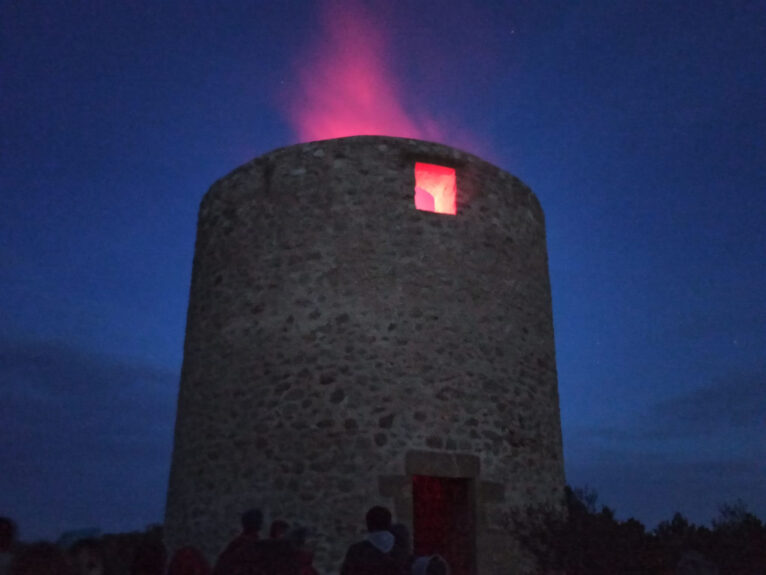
(123, 553)
(586, 540)
(591, 541)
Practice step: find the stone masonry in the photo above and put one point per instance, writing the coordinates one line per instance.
(339, 341)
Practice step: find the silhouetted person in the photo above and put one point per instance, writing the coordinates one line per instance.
(278, 529)
(430, 565)
(305, 557)
(188, 561)
(262, 557)
(40, 559)
(402, 550)
(87, 557)
(373, 555)
(7, 541)
(247, 554)
(149, 558)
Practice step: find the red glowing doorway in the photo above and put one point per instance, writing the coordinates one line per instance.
(443, 521)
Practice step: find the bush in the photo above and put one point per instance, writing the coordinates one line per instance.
(587, 541)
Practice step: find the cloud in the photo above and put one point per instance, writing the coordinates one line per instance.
(736, 401)
(731, 404)
(651, 486)
(689, 453)
(89, 438)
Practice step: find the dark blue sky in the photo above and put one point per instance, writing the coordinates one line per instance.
(641, 127)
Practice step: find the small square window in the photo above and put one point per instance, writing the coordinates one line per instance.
(435, 188)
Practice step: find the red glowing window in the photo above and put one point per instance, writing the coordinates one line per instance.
(435, 188)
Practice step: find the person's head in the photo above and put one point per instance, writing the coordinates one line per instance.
(430, 565)
(87, 557)
(7, 533)
(252, 520)
(378, 519)
(40, 559)
(188, 561)
(278, 529)
(437, 566)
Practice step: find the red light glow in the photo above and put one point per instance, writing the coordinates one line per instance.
(435, 188)
(344, 85)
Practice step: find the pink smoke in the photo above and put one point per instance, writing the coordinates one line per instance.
(344, 86)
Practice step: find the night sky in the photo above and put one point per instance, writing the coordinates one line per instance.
(641, 127)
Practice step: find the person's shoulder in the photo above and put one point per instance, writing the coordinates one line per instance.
(362, 547)
(235, 544)
(278, 557)
(244, 551)
(357, 553)
(251, 547)
(276, 547)
(366, 551)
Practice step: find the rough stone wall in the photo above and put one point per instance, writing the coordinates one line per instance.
(338, 341)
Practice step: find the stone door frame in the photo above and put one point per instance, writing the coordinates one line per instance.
(447, 464)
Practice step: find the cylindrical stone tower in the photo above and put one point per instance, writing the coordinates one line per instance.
(345, 349)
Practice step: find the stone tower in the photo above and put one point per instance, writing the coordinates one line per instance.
(345, 349)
